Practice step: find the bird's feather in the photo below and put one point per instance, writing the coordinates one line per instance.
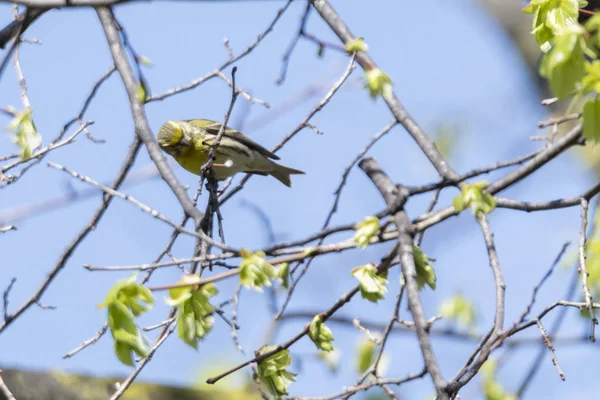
(213, 128)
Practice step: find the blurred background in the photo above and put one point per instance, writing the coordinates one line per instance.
(455, 67)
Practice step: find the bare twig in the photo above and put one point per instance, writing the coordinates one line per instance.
(368, 385)
(139, 204)
(336, 86)
(87, 342)
(583, 270)
(5, 298)
(92, 224)
(217, 72)
(548, 343)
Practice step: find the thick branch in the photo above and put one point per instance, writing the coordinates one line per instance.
(142, 128)
(335, 22)
(395, 199)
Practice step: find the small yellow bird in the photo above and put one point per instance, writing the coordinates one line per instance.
(188, 142)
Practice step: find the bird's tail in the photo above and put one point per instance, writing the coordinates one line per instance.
(282, 173)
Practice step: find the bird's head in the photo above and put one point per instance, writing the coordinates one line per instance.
(171, 137)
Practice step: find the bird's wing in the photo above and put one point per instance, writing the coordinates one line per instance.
(213, 128)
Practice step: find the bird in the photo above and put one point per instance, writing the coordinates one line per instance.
(189, 143)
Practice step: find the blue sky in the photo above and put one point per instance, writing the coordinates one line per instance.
(453, 65)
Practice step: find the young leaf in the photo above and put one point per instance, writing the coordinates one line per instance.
(141, 92)
(365, 355)
(472, 196)
(563, 65)
(125, 301)
(460, 309)
(550, 18)
(283, 274)
(255, 271)
(356, 45)
(272, 371)
(372, 286)
(365, 230)
(425, 272)
(378, 83)
(25, 135)
(194, 311)
(320, 334)
(491, 388)
(591, 120)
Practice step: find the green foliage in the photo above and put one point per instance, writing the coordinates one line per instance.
(591, 120)
(492, 389)
(356, 45)
(563, 65)
(255, 271)
(459, 309)
(365, 355)
(283, 274)
(592, 264)
(365, 230)
(378, 83)
(472, 196)
(194, 311)
(141, 92)
(126, 300)
(25, 136)
(320, 334)
(372, 285)
(425, 272)
(551, 17)
(272, 371)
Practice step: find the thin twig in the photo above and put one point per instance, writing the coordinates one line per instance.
(91, 225)
(583, 270)
(336, 86)
(548, 343)
(139, 204)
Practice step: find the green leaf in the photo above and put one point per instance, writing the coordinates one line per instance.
(591, 120)
(25, 135)
(320, 334)
(365, 355)
(141, 92)
(471, 196)
(378, 83)
(131, 294)
(550, 18)
(272, 371)
(459, 309)
(283, 274)
(126, 300)
(194, 311)
(255, 271)
(372, 286)
(179, 295)
(356, 45)
(563, 65)
(492, 389)
(365, 230)
(425, 272)
(591, 81)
